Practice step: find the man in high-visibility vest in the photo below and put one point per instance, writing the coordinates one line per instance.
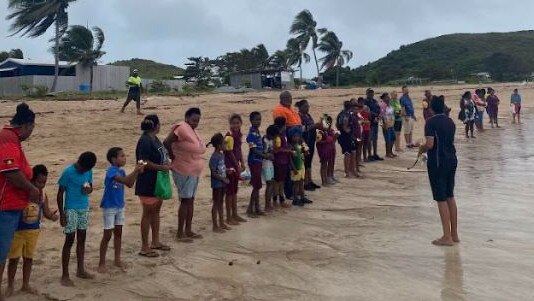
(134, 91)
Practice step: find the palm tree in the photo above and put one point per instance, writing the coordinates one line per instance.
(81, 45)
(296, 54)
(335, 56)
(261, 55)
(280, 60)
(33, 18)
(304, 27)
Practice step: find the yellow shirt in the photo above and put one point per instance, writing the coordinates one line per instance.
(134, 81)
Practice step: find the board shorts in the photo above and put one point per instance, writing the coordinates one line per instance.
(135, 95)
(347, 143)
(389, 135)
(24, 244)
(255, 175)
(442, 180)
(517, 108)
(397, 125)
(186, 185)
(77, 219)
(409, 125)
(299, 175)
(112, 217)
(9, 222)
(268, 172)
(280, 172)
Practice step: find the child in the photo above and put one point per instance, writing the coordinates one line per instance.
(366, 129)
(112, 204)
(218, 183)
(282, 153)
(515, 101)
(255, 161)
(75, 185)
(233, 158)
(27, 234)
(267, 166)
(297, 166)
(326, 147)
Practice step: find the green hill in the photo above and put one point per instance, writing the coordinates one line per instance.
(151, 69)
(506, 56)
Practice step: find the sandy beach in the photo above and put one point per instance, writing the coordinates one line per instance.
(363, 239)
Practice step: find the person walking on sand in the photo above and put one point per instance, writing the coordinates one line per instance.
(186, 150)
(134, 91)
(442, 163)
(515, 103)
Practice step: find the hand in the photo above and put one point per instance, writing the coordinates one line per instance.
(87, 190)
(139, 168)
(63, 220)
(226, 181)
(294, 172)
(34, 195)
(55, 216)
(171, 156)
(415, 118)
(165, 167)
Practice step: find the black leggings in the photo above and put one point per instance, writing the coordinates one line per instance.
(469, 127)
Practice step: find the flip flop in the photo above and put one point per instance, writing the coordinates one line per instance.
(195, 236)
(151, 254)
(162, 248)
(184, 239)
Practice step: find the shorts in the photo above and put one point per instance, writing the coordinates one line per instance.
(409, 125)
(280, 172)
(149, 200)
(255, 175)
(135, 96)
(299, 175)
(9, 221)
(77, 219)
(397, 125)
(347, 143)
(113, 217)
(268, 172)
(186, 185)
(308, 158)
(389, 135)
(233, 186)
(24, 244)
(442, 181)
(373, 134)
(517, 108)
(365, 138)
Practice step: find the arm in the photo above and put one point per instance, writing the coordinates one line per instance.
(167, 143)
(217, 177)
(428, 145)
(60, 195)
(17, 179)
(129, 180)
(47, 212)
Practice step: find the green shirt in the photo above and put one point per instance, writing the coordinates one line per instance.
(134, 81)
(298, 158)
(395, 104)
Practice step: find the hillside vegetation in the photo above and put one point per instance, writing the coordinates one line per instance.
(506, 56)
(151, 69)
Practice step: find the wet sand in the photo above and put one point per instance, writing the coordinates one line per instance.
(364, 239)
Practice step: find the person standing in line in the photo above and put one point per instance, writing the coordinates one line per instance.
(388, 120)
(480, 103)
(442, 163)
(309, 135)
(134, 91)
(374, 109)
(493, 108)
(427, 112)
(409, 116)
(515, 102)
(397, 126)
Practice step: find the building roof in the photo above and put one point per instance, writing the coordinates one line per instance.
(36, 62)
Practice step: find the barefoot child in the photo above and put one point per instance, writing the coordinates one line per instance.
(267, 166)
(75, 185)
(27, 234)
(233, 158)
(113, 203)
(218, 183)
(326, 147)
(515, 102)
(255, 161)
(297, 166)
(282, 153)
(366, 130)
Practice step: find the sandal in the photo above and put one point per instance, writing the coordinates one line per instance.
(150, 254)
(161, 248)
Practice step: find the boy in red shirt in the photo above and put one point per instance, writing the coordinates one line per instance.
(366, 128)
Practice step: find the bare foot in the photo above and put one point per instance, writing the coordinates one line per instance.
(121, 265)
(193, 235)
(29, 290)
(252, 215)
(456, 239)
(218, 230)
(65, 281)
(84, 275)
(239, 219)
(232, 222)
(260, 213)
(225, 227)
(183, 239)
(102, 269)
(9, 291)
(140, 114)
(286, 205)
(268, 208)
(443, 242)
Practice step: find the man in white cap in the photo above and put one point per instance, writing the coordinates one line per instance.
(134, 91)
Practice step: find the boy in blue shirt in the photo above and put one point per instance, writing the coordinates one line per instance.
(113, 203)
(255, 163)
(75, 185)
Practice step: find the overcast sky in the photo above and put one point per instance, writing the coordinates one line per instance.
(169, 31)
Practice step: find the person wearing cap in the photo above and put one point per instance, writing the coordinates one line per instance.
(374, 109)
(134, 91)
(409, 117)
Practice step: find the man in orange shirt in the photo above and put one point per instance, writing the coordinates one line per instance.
(285, 110)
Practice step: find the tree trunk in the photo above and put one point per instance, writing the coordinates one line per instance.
(319, 81)
(91, 79)
(56, 59)
(337, 76)
(300, 70)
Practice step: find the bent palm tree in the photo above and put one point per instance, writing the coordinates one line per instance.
(280, 59)
(335, 56)
(81, 45)
(304, 27)
(296, 54)
(33, 18)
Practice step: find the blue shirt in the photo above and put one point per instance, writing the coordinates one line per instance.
(72, 181)
(113, 191)
(255, 143)
(217, 165)
(515, 99)
(406, 103)
(31, 211)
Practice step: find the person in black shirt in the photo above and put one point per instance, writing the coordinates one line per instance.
(374, 109)
(442, 163)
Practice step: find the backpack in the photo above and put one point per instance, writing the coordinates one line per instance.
(340, 118)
